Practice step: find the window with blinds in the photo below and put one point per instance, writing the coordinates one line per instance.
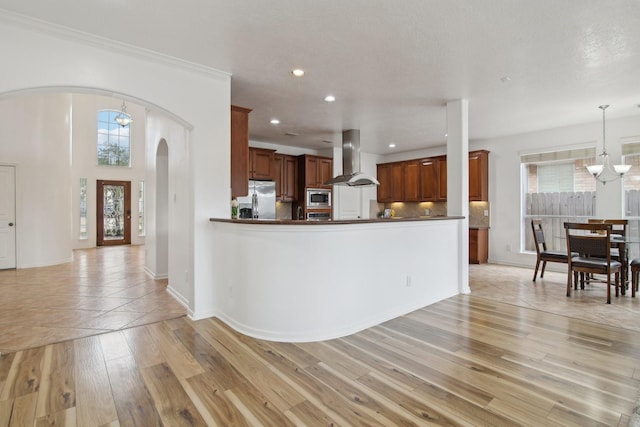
(556, 188)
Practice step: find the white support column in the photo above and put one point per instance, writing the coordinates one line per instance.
(458, 179)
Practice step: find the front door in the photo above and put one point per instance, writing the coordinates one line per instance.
(114, 212)
(7, 217)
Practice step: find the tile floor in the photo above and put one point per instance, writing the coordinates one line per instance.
(101, 290)
(513, 285)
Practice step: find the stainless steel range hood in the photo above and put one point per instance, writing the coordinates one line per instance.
(351, 174)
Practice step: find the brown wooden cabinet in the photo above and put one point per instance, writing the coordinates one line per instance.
(315, 171)
(286, 174)
(442, 177)
(392, 178)
(261, 161)
(431, 180)
(412, 181)
(383, 173)
(425, 180)
(478, 245)
(325, 170)
(479, 176)
(239, 151)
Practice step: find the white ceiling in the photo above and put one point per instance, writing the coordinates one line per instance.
(392, 65)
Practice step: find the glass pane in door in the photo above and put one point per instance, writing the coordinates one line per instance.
(113, 211)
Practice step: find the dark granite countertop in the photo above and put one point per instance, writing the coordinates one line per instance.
(352, 221)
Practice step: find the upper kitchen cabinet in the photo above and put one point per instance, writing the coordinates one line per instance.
(392, 182)
(262, 164)
(429, 180)
(383, 173)
(286, 169)
(479, 176)
(442, 176)
(425, 180)
(412, 187)
(317, 170)
(239, 151)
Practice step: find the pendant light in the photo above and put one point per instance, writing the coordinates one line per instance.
(605, 172)
(123, 118)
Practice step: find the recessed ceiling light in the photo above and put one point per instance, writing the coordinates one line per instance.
(329, 98)
(298, 72)
(275, 121)
(505, 79)
(392, 145)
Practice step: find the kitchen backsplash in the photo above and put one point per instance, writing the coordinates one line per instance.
(477, 217)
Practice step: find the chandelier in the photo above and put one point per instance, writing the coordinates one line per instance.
(123, 118)
(605, 172)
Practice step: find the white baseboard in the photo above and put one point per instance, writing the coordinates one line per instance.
(182, 300)
(154, 276)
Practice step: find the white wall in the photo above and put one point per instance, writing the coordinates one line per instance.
(345, 277)
(37, 56)
(36, 139)
(169, 201)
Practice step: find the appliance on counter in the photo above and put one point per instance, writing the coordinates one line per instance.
(318, 216)
(260, 203)
(318, 198)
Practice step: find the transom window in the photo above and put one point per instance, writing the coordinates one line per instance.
(114, 146)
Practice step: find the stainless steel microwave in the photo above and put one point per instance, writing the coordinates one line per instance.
(318, 198)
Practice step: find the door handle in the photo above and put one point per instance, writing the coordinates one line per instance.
(10, 224)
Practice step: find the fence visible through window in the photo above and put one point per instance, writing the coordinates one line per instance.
(554, 209)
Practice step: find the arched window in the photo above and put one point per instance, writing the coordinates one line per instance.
(113, 140)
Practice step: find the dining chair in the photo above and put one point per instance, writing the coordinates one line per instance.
(593, 244)
(618, 229)
(543, 254)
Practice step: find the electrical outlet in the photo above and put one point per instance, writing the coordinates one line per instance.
(427, 211)
(486, 212)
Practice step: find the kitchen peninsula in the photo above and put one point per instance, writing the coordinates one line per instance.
(308, 280)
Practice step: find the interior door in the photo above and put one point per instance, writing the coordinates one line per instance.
(7, 217)
(114, 212)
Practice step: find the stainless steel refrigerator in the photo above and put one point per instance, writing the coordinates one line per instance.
(261, 199)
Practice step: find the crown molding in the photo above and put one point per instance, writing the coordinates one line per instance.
(60, 31)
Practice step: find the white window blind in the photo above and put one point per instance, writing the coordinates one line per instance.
(631, 148)
(555, 178)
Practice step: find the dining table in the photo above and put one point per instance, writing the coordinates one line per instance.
(621, 243)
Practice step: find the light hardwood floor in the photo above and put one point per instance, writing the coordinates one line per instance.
(468, 360)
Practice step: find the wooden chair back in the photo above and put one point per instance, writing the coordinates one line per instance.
(618, 226)
(589, 240)
(538, 235)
